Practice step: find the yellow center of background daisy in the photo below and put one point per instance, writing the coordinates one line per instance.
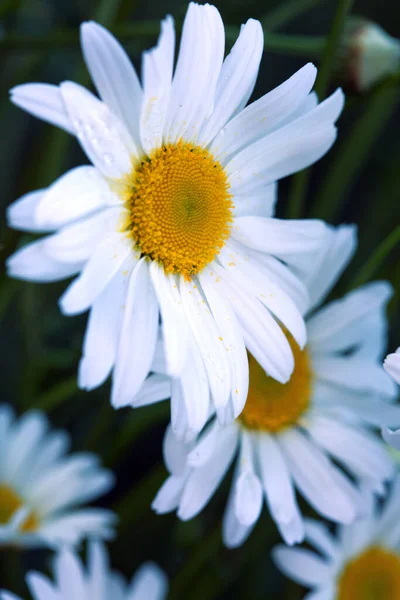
(180, 211)
(374, 575)
(273, 406)
(9, 503)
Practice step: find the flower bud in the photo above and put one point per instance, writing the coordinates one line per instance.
(368, 54)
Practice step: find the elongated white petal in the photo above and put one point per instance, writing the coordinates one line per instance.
(234, 533)
(341, 325)
(278, 489)
(21, 213)
(232, 337)
(155, 388)
(236, 79)
(108, 258)
(33, 263)
(392, 365)
(43, 101)
(193, 89)
(303, 566)
(113, 75)
(263, 116)
(175, 453)
(103, 331)
(101, 134)
(208, 337)
(248, 490)
(157, 67)
(78, 193)
(138, 337)
(260, 204)
(149, 582)
(205, 445)
(168, 496)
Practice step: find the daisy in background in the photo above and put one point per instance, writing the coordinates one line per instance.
(98, 583)
(42, 489)
(362, 562)
(307, 435)
(391, 364)
(174, 218)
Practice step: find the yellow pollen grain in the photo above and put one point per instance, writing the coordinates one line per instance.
(272, 406)
(9, 503)
(179, 206)
(373, 575)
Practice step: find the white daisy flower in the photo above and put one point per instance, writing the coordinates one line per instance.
(361, 563)
(42, 489)
(99, 582)
(305, 435)
(174, 218)
(391, 364)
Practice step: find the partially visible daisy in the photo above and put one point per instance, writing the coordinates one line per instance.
(306, 435)
(361, 563)
(174, 218)
(42, 488)
(391, 364)
(99, 582)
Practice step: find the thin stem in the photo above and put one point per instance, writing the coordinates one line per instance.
(332, 42)
(376, 259)
(285, 12)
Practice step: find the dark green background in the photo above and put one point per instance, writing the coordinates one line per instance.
(359, 181)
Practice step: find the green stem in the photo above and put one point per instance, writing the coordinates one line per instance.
(332, 42)
(376, 259)
(292, 44)
(57, 395)
(285, 12)
(352, 153)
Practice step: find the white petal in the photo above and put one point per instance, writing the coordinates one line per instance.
(43, 101)
(278, 489)
(208, 337)
(358, 450)
(315, 477)
(338, 254)
(253, 277)
(155, 388)
(77, 242)
(303, 566)
(149, 582)
(203, 481)
(264, 115)
(392, 437)
(174, 323)
(236, 79)
(138, 337)
(41, 588)
(354, 374)
(274, 157)
(78, 193)
(205, 445)
(232, 339)
(102, 136)
(72, 528)
(258, 325)
(341, 325)
(260, 204)
(32, 263)
(108, 258)
(21, 213)
(321, 538)
(175, 453)
(280, 274)
(168, 496)
(197, 70)
(233, 532)
(113, 75)
(248, 490)
(8, 596)
(157, 67)
(103, 331)
(392, 365)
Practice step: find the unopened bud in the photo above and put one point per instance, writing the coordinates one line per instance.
(368, 54)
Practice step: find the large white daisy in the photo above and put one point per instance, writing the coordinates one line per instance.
(97, 583)
(307, 435)
(174, 218)
(362, 562)
(42, 489)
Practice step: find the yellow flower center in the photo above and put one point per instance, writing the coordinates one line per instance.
(180, 211)
(273, 406)
(9, 503)
(373, 575)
